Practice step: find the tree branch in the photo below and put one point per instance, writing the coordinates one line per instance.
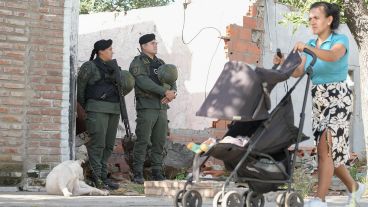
(356, 13)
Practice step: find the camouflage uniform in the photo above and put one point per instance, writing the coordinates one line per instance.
(151, 119)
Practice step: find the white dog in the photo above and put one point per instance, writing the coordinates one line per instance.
(67, 179)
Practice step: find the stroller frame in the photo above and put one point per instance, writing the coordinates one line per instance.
(192, 198)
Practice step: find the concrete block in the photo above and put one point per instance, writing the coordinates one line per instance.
(16, 174)
(44, 173)
(43, 167)
(9, 189)
(10, 181)
(35, 182)
(34, 189)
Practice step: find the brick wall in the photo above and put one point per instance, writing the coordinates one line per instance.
(33, 84)
(244, 42)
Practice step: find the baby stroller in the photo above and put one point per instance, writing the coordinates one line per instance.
(241, 94)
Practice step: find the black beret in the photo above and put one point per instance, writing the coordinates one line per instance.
(146, 38)
(102, 45)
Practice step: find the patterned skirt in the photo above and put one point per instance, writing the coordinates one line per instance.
(332, 110)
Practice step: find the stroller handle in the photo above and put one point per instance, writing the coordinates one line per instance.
(309, 52)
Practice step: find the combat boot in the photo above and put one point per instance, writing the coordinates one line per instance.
(110, 184)
(138, 178)
(157, 175)
(98, 183)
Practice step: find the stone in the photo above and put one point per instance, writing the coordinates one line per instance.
(34, 189)
(177, 159)
(16, 174)
(118, 166)
(33, 173)
(44, 173)
(81, 139)
(10, 181)
(11, 167)
(178, 155)
(43, 167)
(81, 153)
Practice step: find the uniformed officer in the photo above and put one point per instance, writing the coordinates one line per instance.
(152, 100)
(98, 95)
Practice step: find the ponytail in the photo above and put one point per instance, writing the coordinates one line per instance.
(92, 55)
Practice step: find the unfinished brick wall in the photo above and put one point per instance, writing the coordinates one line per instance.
(34, 80)
(244, 42)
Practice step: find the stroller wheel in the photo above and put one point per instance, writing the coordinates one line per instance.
(280, 199)
(232, 199)
(192, 198)
(294, 199)
(217, 200)
(244, 197)
(255, 200)
(178, 198)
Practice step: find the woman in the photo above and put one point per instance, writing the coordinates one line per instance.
(97, 94)
(332, 100)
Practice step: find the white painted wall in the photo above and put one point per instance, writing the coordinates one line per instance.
(193, 60)
(279, 36)
(71, 10)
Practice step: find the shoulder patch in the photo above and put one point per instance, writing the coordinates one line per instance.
(134, 70)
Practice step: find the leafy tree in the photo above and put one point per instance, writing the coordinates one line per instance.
(93, 6)
(300, 9)
(355, 15)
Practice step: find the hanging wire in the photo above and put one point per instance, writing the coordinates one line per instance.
(195, 36)
(209, 67)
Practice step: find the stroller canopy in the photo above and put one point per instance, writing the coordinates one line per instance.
(242, 91)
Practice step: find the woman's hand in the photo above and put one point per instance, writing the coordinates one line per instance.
(299, 46)
(277, 60)
(300, 69)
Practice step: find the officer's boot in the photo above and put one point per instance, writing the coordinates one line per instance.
(157, 175)
(98, 183)
(110, 184)
(138, 177)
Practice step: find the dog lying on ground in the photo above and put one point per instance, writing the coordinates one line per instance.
(67, 179)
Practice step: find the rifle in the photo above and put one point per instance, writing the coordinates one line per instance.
(127, 142)
(123, 110)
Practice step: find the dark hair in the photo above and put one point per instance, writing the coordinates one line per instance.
(330, 9)
(93, 54)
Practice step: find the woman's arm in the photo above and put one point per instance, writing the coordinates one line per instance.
(334, 54)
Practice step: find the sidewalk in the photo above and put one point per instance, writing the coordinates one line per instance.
(31, 199)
